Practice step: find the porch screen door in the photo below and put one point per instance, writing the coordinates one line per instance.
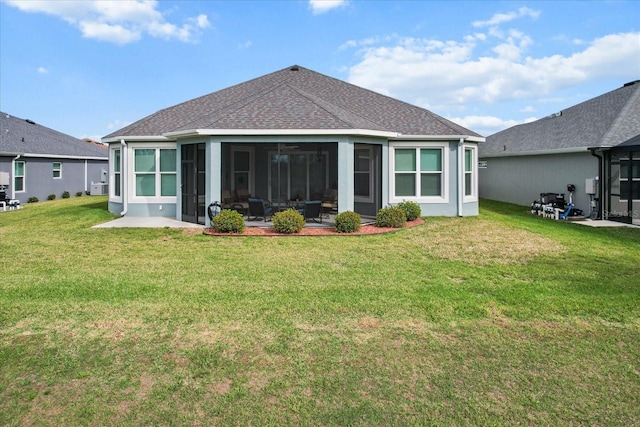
(193, 183)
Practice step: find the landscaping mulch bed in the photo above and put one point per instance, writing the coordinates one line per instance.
(312, 231)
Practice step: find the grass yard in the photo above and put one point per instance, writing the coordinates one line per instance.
(499, 319)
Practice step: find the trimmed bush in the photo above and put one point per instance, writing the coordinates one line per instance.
(79, 194)
(228, 221)
(391, 216)
(348, 222)
(288, 222)
(411, 209)
(65, 195)
(33, 199)
(51, 197)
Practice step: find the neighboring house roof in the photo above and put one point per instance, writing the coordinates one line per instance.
(25, 137)
(293, 98)
(604, 121)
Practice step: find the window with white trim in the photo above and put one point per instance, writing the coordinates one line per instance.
(57, 170)
(155, 172)
(470, 173)
(418, 172)
(19, 173)
(116, 170)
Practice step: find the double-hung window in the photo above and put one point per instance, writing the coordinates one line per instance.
(18, 177)
(418, 172)
(57, 170)
(155, 172)
(117, 174)
(470, 173)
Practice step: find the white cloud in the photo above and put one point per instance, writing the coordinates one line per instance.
(117, 124)
(500, 18)
(321, 6)
(116, 21)
(43, 70)
(449, 74)
(484, 125)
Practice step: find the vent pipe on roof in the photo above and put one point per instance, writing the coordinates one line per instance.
(294, 68)
(30, 122)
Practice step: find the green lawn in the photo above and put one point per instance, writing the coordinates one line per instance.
(499, 319)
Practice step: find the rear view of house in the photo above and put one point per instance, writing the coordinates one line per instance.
(38, 161)
(293, 134)
(594, 146)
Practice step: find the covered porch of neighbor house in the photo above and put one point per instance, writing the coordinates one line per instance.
(342, 175)
(623, 182)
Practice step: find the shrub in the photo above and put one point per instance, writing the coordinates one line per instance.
(65, 195)
(33, 199)
(411, 209)
(347, 222)
(391, 216)
(288, 222)
(51, 197)
(79, 194)
(228, 221)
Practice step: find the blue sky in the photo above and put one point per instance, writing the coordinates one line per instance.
(88, 68)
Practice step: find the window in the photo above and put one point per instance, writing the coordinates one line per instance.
(417, 173)
(363, 176)
(57, 170)
(18, 177)
(470, 174)
(117, 174)
(155, 172)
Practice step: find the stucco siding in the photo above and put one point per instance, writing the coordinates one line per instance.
(521, 179)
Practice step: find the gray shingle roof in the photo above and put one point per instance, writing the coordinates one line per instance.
(294, 98)
(20, 136)
(604, 121)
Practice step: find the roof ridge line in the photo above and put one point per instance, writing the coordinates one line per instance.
(315, 100)
(631, 101)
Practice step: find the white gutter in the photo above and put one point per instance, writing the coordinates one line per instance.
(150, 138)
(539, 153)
(123, 177)
(85, 176)
(277, 132)
(56, 156)
(460, 174)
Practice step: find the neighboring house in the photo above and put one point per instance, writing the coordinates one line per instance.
(39, 161)
(595, 142)
(292, 134)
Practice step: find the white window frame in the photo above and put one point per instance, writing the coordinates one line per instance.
(131, 184)
(417, 145)
(23, 176)
(59, 170)
(112, 174)
(473, 197)
(370, 172)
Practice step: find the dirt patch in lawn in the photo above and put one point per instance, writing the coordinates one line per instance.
(313, 231)
(480, 242)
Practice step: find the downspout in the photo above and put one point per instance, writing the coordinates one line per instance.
(86, 176)
(460, 195)
(123, 177)
(13, 174)
(600, 183)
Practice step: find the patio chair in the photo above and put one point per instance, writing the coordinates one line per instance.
(312, 209)
(228, 202)
(258, 209)
(330, 201)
